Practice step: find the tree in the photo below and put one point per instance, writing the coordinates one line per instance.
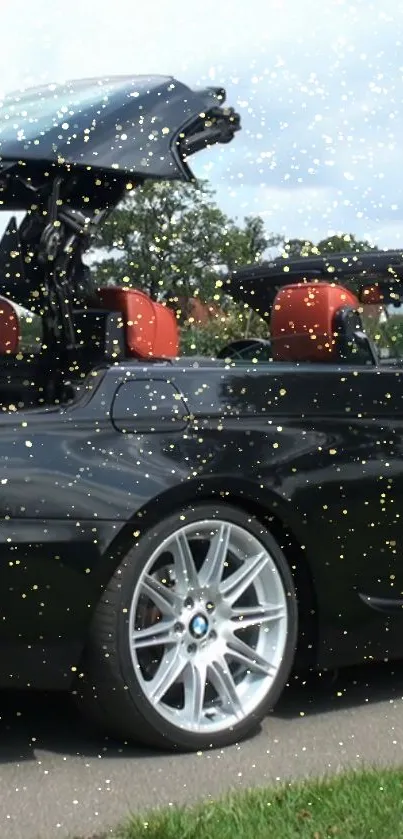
(173, 240)
(250, 242)
(346, 243)
(299, 247)
(343, 243)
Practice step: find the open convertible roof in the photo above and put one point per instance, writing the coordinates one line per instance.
(142, 126)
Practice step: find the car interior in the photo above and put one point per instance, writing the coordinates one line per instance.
(311, 322)
(125, 323)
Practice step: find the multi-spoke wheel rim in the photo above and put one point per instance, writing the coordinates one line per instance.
(208, 626)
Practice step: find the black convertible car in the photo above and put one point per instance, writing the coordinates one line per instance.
(177, 534)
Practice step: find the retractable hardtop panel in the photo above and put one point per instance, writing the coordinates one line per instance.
(257, 285)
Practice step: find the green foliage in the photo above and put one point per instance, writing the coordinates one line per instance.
(249, 243)
(393, 334)
(207, 340)
(299, 247)
(173, 239)
(387, 335)
(352, 805)
(344, 243)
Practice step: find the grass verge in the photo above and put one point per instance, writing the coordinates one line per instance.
(355, 805)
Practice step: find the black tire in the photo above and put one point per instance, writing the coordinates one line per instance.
(109, 693)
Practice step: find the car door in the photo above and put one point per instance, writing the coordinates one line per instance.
(71, 477)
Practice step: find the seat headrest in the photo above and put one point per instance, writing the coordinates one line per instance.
(151, 329)
(9, 328)
(304, 321)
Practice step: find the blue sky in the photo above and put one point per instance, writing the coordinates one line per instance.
(319, 84)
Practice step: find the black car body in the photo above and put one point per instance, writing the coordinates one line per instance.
(99, 451)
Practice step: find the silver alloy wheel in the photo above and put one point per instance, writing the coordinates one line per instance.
(208, 626)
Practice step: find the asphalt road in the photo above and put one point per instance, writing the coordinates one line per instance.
(57, 780)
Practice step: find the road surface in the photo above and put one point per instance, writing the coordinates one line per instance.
(57, 780)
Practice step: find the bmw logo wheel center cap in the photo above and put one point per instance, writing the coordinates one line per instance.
(199, 627)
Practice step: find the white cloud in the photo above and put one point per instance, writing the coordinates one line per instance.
(53, 40)
(301, 71)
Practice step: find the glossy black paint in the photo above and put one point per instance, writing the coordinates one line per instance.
(318, 447)
(121, 124)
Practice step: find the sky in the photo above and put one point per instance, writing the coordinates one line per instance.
(319, 85)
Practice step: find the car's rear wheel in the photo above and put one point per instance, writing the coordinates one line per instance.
(194, 637)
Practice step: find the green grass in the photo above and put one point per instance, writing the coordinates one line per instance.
(362, 805)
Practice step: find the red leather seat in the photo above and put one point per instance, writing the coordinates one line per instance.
(166, 340)
(151, 329)
(304, 321)
(9, 328)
